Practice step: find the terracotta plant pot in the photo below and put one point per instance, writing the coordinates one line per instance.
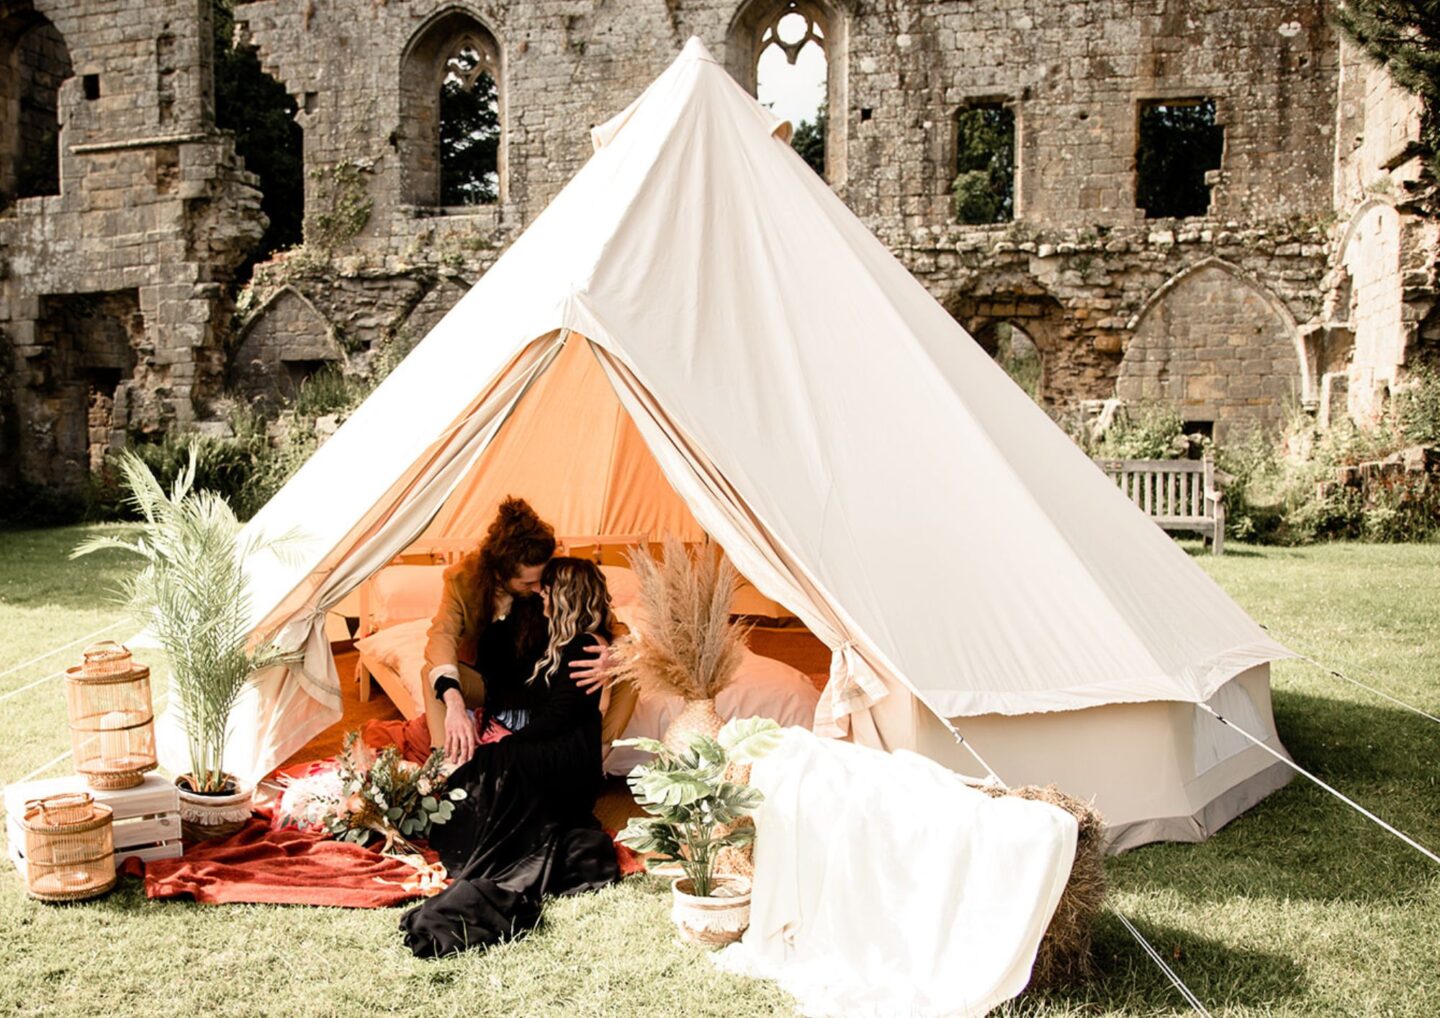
(218, 815)
(713, 921)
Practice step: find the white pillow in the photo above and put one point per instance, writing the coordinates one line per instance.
(404, 593)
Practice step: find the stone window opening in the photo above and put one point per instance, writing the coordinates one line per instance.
(34, 61)
(790, 55)
(469, 129)
(452, 125)
(1178, 145)
(983, 188)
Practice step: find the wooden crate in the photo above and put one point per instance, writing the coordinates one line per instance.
(146, 817)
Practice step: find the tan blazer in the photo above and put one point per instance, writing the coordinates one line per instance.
(455, 630)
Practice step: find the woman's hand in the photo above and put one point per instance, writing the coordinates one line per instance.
(592, 674)
(459, 729)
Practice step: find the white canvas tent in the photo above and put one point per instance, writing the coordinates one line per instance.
(698, 336)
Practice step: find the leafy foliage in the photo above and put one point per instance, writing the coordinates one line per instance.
(1417, 408)
(191, 594)
(469, 138)
(1145, 431)
(809, 139)
(687, 797)
(367, 795)
(984, 185)
(1179, 142)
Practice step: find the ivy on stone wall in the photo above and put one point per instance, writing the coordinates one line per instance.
(344, 207)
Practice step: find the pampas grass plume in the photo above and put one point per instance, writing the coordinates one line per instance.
(686, 644)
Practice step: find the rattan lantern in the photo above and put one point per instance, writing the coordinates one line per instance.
(69, 847)
(112, 725)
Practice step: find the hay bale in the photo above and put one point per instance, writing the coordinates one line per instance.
(1064, 957)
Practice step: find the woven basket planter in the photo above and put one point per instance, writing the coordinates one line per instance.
(714, 921)
(203, 817)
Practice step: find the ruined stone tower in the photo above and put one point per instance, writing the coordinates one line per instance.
(1297, 277)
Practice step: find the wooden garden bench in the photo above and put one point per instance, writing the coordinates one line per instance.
(1176, 494)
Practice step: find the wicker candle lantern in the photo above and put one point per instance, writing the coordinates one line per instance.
(112, 725)
(69, 847)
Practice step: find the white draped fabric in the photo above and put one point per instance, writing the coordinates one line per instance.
(884, 885)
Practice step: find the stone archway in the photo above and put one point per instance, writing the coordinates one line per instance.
(1370, 258)
(34, 61)
(1219, 348)
(283, 343)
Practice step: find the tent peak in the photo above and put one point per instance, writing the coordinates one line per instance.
(695, 49)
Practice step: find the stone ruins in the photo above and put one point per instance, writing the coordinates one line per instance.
(1300, 277)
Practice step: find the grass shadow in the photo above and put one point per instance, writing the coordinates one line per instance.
(1301, 842)
(1127, 981)
(36, 569)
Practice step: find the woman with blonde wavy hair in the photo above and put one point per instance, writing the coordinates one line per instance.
(526, 827)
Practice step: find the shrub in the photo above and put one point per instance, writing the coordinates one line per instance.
(1417, 408)
(1145, 431)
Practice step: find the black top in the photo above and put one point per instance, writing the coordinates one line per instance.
(526, 828)
(507, 648)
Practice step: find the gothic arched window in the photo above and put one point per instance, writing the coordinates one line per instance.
(451, 132)
(791, 56)
(33, 62)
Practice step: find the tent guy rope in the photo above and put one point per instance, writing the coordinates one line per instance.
(1329, 788)
(1175, 980)
(51, 653)
(1338, 674)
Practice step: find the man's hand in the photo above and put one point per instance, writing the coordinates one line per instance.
(592, 674)
(459, 729)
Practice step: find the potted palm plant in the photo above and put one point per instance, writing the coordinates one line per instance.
(692, 811)
(190, 595)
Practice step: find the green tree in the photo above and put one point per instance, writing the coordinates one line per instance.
(1404, 37)
(261, 114)
(984, 185)
(809, 140)
(469, 136)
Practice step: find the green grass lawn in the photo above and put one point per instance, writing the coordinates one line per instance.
(1300, 907)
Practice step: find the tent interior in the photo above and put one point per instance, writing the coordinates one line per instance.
(1159, 770)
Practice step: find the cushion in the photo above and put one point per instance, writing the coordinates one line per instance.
(403, 593)
(624, 585)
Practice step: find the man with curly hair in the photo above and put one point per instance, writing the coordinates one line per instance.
(490, 622)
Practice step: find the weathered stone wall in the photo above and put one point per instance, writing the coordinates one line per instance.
(1380, 294)
(153, 212)
(1077, 266)
(155, 203)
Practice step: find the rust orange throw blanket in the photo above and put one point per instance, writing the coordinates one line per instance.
(259, 865)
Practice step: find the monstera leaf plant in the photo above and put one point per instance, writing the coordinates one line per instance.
(691, 807)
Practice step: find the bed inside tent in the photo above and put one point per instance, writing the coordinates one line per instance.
(1158, 771)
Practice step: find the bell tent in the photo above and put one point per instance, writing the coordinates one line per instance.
(698, 337)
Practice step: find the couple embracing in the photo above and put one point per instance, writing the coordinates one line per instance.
(516, 660)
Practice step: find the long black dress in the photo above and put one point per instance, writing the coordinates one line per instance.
(526, 828)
